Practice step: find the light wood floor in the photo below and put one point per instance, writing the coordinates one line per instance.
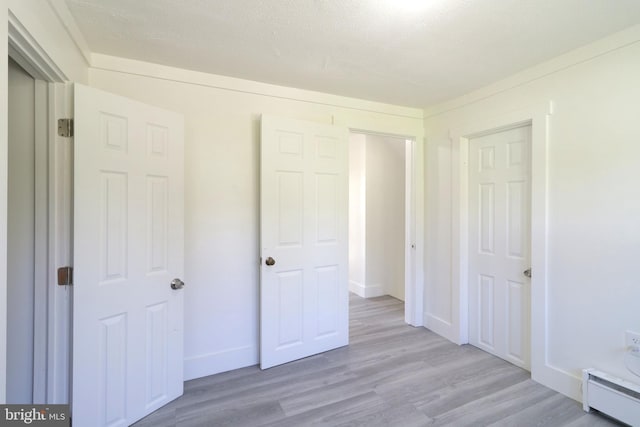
(391, 374)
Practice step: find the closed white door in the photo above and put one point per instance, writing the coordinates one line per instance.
(304, 301)
(499, 244)
(128, 247)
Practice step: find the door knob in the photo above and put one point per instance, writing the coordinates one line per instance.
(177, 284)
(527, 272)
(270, 261)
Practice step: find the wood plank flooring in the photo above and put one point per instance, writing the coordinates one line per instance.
(391, 374)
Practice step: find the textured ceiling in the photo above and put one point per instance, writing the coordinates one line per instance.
(406, 52)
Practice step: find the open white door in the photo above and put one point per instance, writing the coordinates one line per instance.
(128, 247)
(304, 299)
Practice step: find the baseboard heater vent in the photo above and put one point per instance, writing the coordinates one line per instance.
(612, 396)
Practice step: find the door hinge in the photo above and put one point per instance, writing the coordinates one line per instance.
(65, 276)
(65, 128)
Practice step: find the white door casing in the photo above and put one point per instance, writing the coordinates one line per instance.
(499, 244)
(304, 229)
(128, 246)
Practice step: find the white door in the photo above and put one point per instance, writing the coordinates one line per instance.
(304, 300)
(128, 247)
(499, 244)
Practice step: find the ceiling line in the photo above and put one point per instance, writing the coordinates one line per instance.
(328, 104)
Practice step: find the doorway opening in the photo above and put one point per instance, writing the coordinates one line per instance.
(379, 203)
(305, 175)
(27, 236)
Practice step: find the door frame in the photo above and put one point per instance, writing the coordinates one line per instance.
(539, 117)
(52, 320)
(414, 238)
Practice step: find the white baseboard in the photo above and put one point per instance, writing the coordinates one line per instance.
(374, 291)
(559, 380)
(368, 291)
(549, 376)
(222, 361)
(441, 327)
(357, 288)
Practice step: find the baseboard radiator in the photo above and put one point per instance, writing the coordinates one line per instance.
(611, 396)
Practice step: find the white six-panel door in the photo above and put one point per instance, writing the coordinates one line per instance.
(304, 219)
(499, 244)
(128, 247)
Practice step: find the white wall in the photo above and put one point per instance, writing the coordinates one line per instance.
(222, 117)
(592, 196)
(376, 215)
(385, 232)
(357, 214)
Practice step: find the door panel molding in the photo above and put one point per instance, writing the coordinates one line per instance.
(303, 239)
(499, 241)
(128, 250)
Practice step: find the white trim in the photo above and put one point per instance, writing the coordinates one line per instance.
(60, 247)
(41, 242)
(560, 380)
(583, 54)
(414, 235)
(163, 72)
(28, 53)
(357, 288)
(440, 326)
(225, 360)
(4, 68)
(369, 291)
(538, 116)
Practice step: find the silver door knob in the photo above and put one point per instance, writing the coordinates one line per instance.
(527, 272)
(177, 284)
(270, 261)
